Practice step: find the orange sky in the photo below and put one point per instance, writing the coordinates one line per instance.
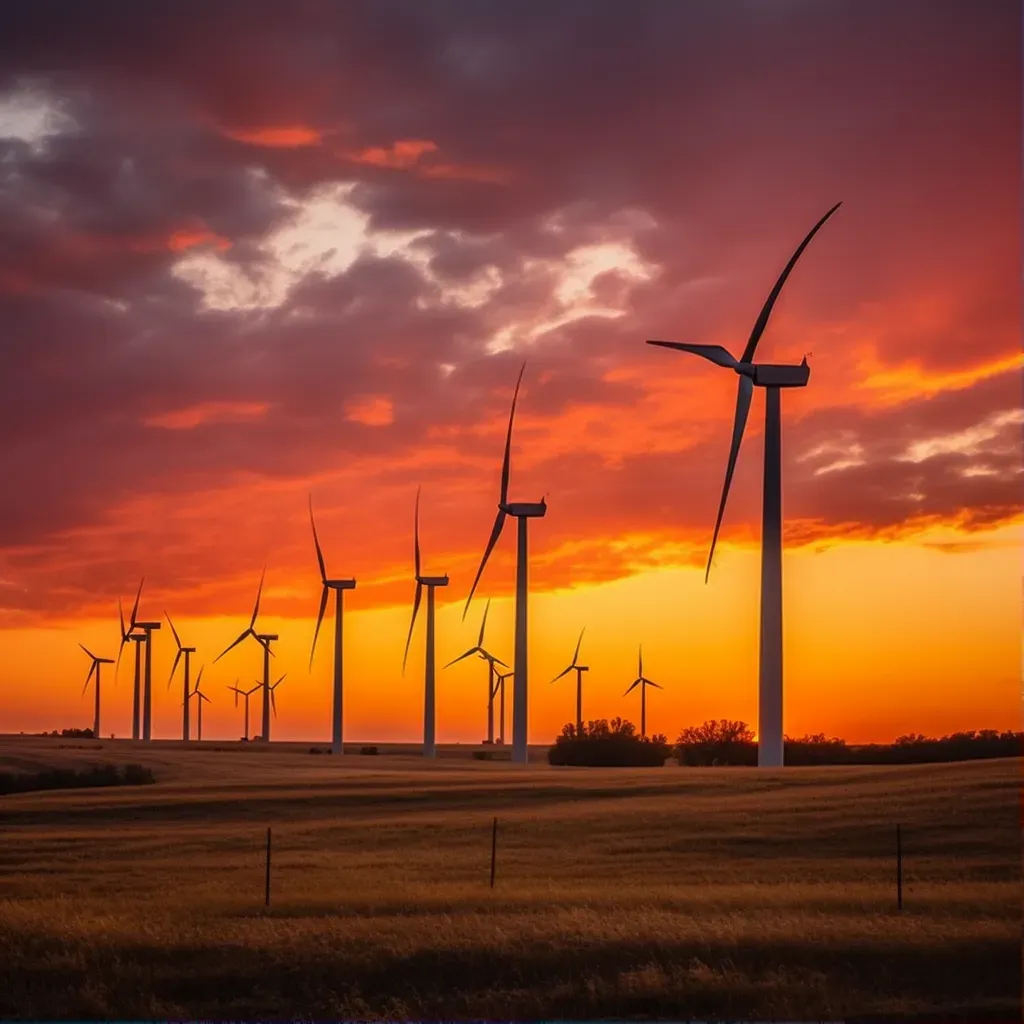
(222, 299)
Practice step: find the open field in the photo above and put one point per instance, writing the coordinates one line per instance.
(638, 892)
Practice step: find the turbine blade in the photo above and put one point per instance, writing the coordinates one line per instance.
(715, 353)
(256, 606)
(564, 671)
(120, 615)
(280, 679)
(135, 607)
(92, 668)
(174, 631)
(499, 522)
(199, 678)
(766, 311)
(744, 393)
(319, 619)
(632, 687)
(415, 609)
(472, 650)
(483, 624)
(87, 651)
(273, 701)
(508, 440)
(316, 541)
(177, 658)
(490, 657)
(234, 643)
(640, 663)
(576, 653)
(416, 534)
(657, 686)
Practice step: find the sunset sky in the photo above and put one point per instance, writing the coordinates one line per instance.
(255, 250)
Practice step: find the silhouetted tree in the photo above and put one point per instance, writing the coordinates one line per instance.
(717, 743)
(606, 744)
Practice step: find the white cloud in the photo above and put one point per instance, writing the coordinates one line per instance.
(971, 441)
(33, 117)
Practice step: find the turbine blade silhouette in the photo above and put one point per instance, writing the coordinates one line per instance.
(471, 651)
(483, 625)
(92, 668)
(319, 620)
(766, 311)
(508, 439)
(651, 682)
(499, 522)
(744, 393)
(412, 624)
(235, 643)
(715, 353)
(576, 653)
(490, 657)
(640, 663)
(135, 607)
(316, 541)
(416, 534)
(256, 607)
(170, 678)
(87, 651)
(124, 637)
(177, 640)
(562, 673)
(632, 687)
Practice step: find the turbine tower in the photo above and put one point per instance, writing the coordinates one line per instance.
(499, 689)
(491, 662)
(579, 669)
(130, 636)
(264, 640)
(187, 652)
(339, 586)
(643, 682)
(771, 377)
(430, 582)
(94, 668)
(246, 694)
(523, 513)
(200, 697)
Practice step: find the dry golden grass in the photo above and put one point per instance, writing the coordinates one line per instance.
(639, 892)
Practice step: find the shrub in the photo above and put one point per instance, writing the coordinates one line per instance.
(604, 744)
(717, 742)
(368, 750)
(69, 778)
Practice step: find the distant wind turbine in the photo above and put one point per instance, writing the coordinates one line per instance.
(491, 662)
(523, 513)
(148, 628)
(200, 697)
(187, 652)
(643, 682)
(264, 640)
(339, 586)
(94, 669)
(246, 694)
(430, 582)
(499, 689)
(579, 670)
(771, 377)
(128, 635)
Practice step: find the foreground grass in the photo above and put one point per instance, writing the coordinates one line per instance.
(662, 892)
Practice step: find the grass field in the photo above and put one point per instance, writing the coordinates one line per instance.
(620, 893)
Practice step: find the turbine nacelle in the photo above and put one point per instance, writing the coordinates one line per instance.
(147, 625)
(349, 584)
(776, 375)
(433, 581)
(524, 509)
(265, 638)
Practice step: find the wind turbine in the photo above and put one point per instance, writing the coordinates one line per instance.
(339, 586)
(523, 513)
(579, 669)
(148, 628)
(130, 636)
(771, 377)
(643, 682)
(199, 714)
(246, 694)
(188, 652)
(499, 688)
(95, 668)
(430, 582)
(491, 662)
(264, 640)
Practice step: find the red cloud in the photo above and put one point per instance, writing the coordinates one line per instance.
(285, 137)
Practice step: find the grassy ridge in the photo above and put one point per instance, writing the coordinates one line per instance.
(619, 892)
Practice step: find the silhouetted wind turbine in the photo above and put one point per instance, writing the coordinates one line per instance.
(148, 628)
(94, 668)
(246, 694)
(273, 699)
(499, 688)
(199, 713)
(187, 652)
(643, 682)
(491, 662)
(130, 636)
(339, 586)
(430, 582)
(579, 669)
(523, 512)
(771, 377)
(264, 640)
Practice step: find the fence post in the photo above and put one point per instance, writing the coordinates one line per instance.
(494, 848)
(899, 869)
(267, 897)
